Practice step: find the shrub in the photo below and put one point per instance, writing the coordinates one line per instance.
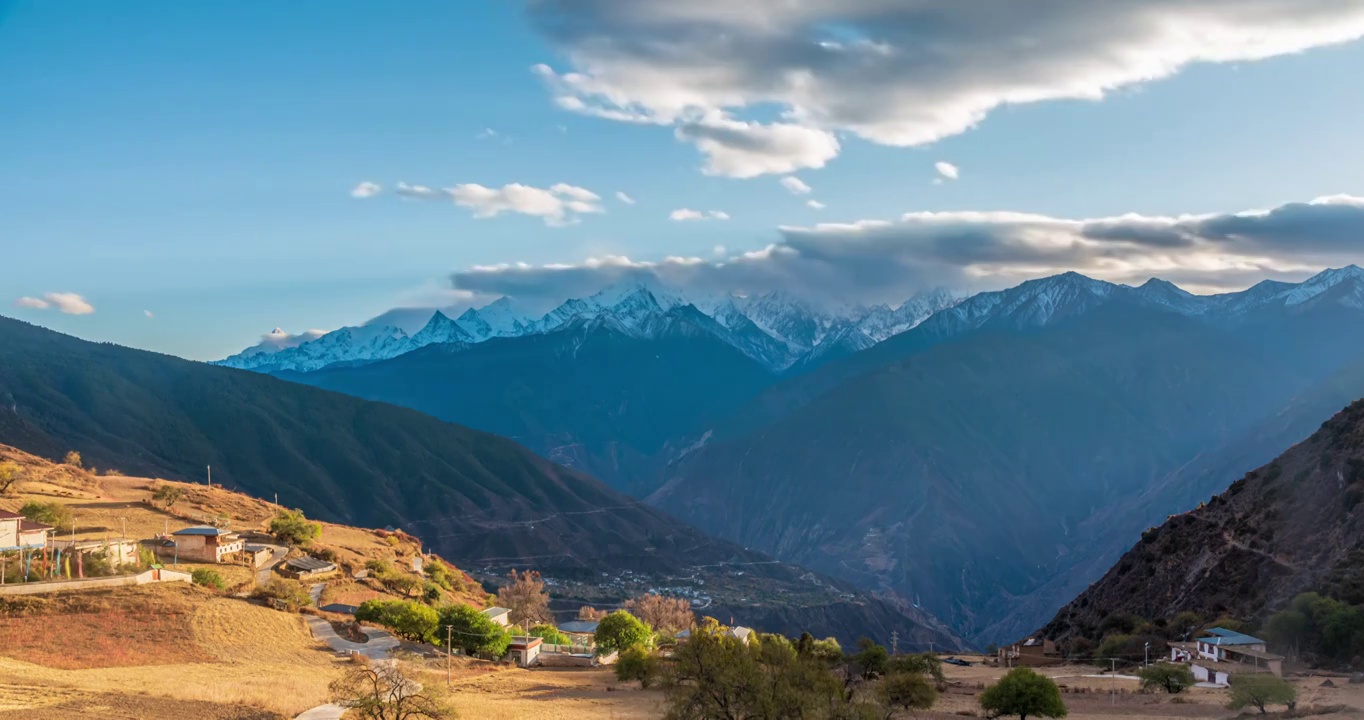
(51, 513)
(290, 594)
(73, 459)
(926, 664)
(208, 578)
(168, 495)
(871, 660)
(550, 634)
(637, 663)
(292, 527)
(1171, 678)
(908, 690)
(1259, 691)
(620, 630)
(1023, 692)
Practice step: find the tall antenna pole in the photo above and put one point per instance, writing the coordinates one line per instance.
(210, 476)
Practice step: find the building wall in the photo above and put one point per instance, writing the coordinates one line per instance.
(148, 576)
(9, 533)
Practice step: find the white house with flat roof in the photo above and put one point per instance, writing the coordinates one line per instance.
(19, 533)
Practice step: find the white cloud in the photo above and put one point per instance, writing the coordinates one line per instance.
(947, 170)
(685, 214)
(795, 185)
(621, 196)
(365, 190)
(894, 72)
(889, 260)
(561, 204)
(718, 250)
(148, 313)
(815, 204)
(63, 302)
(491, 134)
(749, 149)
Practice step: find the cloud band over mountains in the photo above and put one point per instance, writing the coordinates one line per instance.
(889, 260)
(892, 72)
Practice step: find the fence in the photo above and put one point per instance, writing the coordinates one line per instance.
(52, 586)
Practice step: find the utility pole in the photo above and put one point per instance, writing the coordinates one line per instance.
(894, 642)
(930, 648)
(449, 651)
(1113, 680)
(276, 501)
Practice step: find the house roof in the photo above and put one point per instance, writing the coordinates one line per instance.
(203, 530)
(7, 515)
(1253, 653)
(31, 525)
(310, 563)
(493, 612)
(1222, 636)
(525, 643)
(579, 626)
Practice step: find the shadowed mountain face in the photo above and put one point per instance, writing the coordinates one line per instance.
(479, 499)
(1293, 525)
(594, 395)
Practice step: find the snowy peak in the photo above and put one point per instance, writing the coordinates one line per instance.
(500, 318)
(439, 330)
(1323, 282)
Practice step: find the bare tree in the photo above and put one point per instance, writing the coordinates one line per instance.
(526, 598)
(383, 690)
(669, 615)
(587, 612)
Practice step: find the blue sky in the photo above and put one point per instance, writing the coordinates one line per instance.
(196, 160)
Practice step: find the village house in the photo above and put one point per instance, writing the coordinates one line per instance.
(19, 533)
(738, 632)
(526, 650)
(306, 567)
(1031, 652)
(1222, 653)
(499, 615)
(203, 543)
(581, 632)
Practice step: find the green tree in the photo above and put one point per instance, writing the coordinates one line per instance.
(1023, 692)
(620, 630)
(1259, 691)
(292, 527)
(443, 576)
(1288, 629)
(1166, 676)
(49, 513)
(637, 663)
(407, 619)
(10, 474)
(550, 634)
(871, 660)
(208, 578)
(474, 632)
(1185, 623)
(167, 494)
(908, 690)
(922, 663)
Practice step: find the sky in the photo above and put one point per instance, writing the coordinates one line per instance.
(184, 177)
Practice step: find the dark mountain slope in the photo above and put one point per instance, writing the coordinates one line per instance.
(593, 395)
(481, 500)
(1293, 525)
(963, 474)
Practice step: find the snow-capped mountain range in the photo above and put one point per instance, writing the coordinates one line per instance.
(784, 332)
(774, 329)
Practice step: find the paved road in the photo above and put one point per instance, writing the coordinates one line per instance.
(323, 712)
(315, 592)
(277, 553)
(378, 647)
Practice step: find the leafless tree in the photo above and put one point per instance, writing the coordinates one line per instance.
(526, 598)
(10, 473)
(669, 615)
(384, 690)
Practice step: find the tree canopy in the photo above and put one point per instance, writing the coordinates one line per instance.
(407, 619)
(1260, 691)
(292, 527)
(1023, 692)
(474, 632)
(1166, 676)
(526, 598)
(620, 630)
